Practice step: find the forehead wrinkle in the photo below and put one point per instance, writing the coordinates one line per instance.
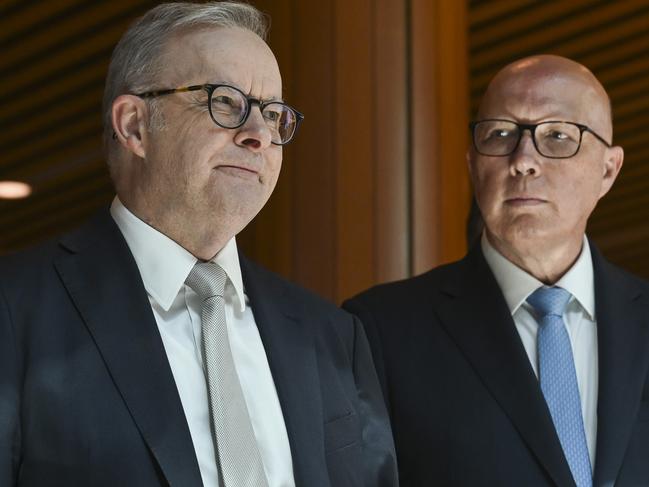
(260, 78)
(261, 84)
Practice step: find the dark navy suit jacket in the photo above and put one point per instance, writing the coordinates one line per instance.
(87, 397)
(465, 404)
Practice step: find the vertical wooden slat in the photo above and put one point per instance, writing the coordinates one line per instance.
(314, 89)
(438, 115)
(354, 148)
(453, 109)
(424, 137)
(390, 120)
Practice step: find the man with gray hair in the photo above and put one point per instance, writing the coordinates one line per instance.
(143, 349)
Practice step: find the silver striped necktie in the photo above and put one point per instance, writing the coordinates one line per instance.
(237, 454)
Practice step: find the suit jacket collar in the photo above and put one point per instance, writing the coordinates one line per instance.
(517, 284)
(290, 344)
(164, 264)
(475, 314)
(477, 317)
(623, 340)
(103, 281)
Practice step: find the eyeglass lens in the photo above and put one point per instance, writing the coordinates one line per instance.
(229, 108)
(552, 139)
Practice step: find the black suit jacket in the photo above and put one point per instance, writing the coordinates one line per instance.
(87, 397)
(465, 405)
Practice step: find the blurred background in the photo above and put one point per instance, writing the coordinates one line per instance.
(375, 186)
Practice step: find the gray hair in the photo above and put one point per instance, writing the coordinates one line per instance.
(137, 59)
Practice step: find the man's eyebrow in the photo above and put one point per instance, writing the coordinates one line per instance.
(229, 83)
(275, 98)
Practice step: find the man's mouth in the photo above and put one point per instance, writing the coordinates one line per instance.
(525, 201)
(245, 172)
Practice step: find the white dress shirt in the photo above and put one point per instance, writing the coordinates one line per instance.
(164, 265)
(579, 317)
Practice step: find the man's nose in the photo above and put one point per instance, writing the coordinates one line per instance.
(524, 160)
(255, 133)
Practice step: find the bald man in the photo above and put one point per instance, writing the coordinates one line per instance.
(525, 363)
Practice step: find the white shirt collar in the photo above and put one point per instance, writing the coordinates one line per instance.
(516, 284)
(164, 265)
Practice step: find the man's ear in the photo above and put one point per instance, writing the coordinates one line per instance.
(129, 117)
(612, 166)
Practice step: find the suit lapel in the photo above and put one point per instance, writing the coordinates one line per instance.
(102, 279)
(290, 347)
(475, 314)
(623, 342)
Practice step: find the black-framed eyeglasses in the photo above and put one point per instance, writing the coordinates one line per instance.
(553, 139)
(230, 107)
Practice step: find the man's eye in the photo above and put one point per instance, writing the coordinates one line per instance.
(273, 116)
(555, 134)
(224, 100)
(558, 136)
(499, 134)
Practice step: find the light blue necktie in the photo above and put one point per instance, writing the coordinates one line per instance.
(559, 379)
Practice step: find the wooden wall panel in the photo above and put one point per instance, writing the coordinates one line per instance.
(453, 108)
(354, 143)
(314, 201)
(381, 189)
(440, 188)
(348, 196)
(391, 108)
(424, 137)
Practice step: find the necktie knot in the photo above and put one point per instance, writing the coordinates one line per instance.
(549, 301)
(207, 279)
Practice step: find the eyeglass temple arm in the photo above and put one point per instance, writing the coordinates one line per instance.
(182, 89)
(597, 136)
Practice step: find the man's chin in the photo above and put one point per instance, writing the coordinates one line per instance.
(520, 233)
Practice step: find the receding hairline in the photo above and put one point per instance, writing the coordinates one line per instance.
(182, 39)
